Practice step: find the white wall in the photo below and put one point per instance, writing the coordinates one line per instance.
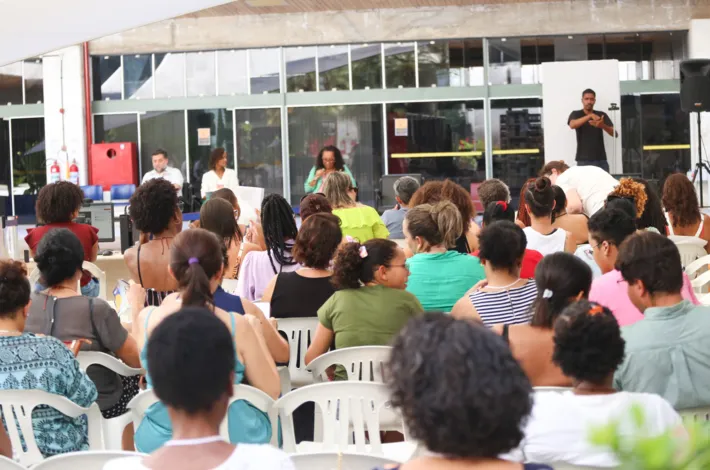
(562, 94)
(699, 48)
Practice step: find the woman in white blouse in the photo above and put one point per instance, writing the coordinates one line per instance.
(219, 175)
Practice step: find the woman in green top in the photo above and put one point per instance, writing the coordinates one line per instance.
(357, 220)
(329, 160)
(439, 275)
(370, 305)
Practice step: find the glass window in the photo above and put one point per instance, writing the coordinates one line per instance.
(264, 71)
(466, 63)
(367, 66)
(11, 84)
(568, 48)
(200, 70)
(259, 148)
(169, 75)
(505, 57)
(626, 48)
(5, 204)
(138, 76)
(355, 130)
(399, 65)
(333, 68)
(115, 128)
(232, 73)
(662, 54)
(34, 86)
(28, 163)
(437, 140)
(106, 77)
(434, 64)
(219, 123)
(300, 68)
(165, 130)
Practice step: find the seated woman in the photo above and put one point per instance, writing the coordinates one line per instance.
(156, 214)
(370, 305)
(522, 220)
(437, 191)
(576, 224)
(588, 348)
(180, 382)
(329, 161)
(40, 363)
(358, 221)
(561, 279)
(653, 218)
(466, 418)
(505, 297)
(542, 235)
(683, 210)
(219, 175)
(64, 313)
(314, 204)
(196, 262)
(438, 276)
(57, 206)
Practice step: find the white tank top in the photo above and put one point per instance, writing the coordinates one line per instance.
(545, 244)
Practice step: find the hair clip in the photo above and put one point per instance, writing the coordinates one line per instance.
(349, 239)
(502, 204)
(363, 252)
(597, 309)
(547, 294)
(193, 260)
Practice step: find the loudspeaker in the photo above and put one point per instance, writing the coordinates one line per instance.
(695, 85)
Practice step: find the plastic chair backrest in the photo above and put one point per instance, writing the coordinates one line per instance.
(91, 267)
(9, 464)
(331, 460)
(89, 358)
(690, 248)
(693, 269)
(697, 415)
(20, 403)
(552, 389)
(87, 460)
(121, 192)
(265, 308)
(363, 363)
(93, 192)
(300, 333)
(700, 282)
(346, 407)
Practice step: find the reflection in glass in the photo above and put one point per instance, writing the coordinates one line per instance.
(29, 167)
(355, 130)
(505, 61)
(399, 65)
(300, 68)
(466, 57)
(367, 66)
(219, 123)
(264, 71)
(110, 128)
(34, 86)
(259, 149)
(333, 68)
(11, 84)
(232, 73)
(166, 130)
(5, 207)
(570, 48)
(138, 76)
(200, 73)
(433, 64)
(106, 77)
(169, 75)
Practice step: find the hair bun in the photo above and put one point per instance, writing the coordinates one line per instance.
(542, 183)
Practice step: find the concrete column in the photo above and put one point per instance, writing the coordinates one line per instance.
(65, 132)
(699, 48)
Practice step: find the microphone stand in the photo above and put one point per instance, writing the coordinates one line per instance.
(613, 108)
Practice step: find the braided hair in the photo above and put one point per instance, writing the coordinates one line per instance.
(279, 225)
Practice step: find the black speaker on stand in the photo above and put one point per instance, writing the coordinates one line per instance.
(695, 98)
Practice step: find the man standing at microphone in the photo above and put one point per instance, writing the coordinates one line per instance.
(589, 124)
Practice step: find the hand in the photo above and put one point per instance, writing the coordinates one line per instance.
(593, 117)
(255, 234)
(75, 345)
(135, 294)
(319, 173)
(596, 123)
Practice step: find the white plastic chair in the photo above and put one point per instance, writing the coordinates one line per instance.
(690, 248)
(20, 403)
(9, 464)
(230, 286)
(695, 415)
(552, 389)
(91, 460)
(86, 265)
(363, 363)
(265, 308)
(692, 270)
(114, 427)
(331, 460)
(700, 283)
(300, 332)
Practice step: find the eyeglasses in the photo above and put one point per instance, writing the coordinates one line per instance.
(397, 266)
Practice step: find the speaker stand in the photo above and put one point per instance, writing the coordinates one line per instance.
(701, 164)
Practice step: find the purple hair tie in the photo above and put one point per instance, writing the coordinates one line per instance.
(193, 261)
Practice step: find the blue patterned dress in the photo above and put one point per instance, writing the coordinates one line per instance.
(30, 362)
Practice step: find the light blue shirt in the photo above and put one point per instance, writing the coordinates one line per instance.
(393, 219)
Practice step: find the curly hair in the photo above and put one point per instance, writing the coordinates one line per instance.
(57, 202)
(217, 154)
(629, 189)
(350, 269)
(503, 245)
(653, 215)
(14, 287)
(314, 204)
(317, 241)
(437, 224)
(588, 342)
(432, 192)
(540, 197)
(493, 190)
(459, 388)
(339, 162)
(563, 276)
(153, 206)
(680, 200)
(59, 256)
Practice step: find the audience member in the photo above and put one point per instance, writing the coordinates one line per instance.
(370, 305)
(314, 204)
(64, 313)
(505, 298)
(607, 230)
(196, 389)
(461, 393)
(493, 190)
(589, 348)
(437, 191)
(404, 189)
(328, 161)
(156, 213)
(667, 352)
(438, 277)
(357, 220)
(57, 206)
(627, 205)
(649, 214)
(576, 224)
(277, 232)
(653, 217)
(541, 235)
(161, 170)
(243, 211)
(586, 187)
(523, 218)
(40, 363)
(561, 279)
(219, 175)
(683, 210)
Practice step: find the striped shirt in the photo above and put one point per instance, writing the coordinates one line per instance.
(508, 307)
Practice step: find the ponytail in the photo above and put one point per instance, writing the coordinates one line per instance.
(196, 257)
(355, 264)
(196, 286)
(436, 224)
(498, 210)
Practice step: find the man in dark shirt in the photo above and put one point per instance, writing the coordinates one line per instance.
(589, 124)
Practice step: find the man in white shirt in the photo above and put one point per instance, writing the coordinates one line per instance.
(586, 187)
(162, 170)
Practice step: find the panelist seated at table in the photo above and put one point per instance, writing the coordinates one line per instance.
(219, 175)
(162, 170)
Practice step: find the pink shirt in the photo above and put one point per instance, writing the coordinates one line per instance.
(611, 291)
